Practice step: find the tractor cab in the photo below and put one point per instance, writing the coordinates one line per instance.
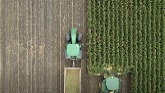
(73, 49)
(110, 85)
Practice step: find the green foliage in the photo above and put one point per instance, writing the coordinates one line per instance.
(128, 33)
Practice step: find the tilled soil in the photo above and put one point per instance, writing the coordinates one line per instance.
(33, 45)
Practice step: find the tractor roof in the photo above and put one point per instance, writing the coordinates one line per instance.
(73, 49)
(112, 83)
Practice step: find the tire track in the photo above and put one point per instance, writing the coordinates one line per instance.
(85, 82)
(60, 51)
(30, 46)
(0, 45)
(34, 46)
(18, 46)
(63, 26)
(40, 47)
(56, 36)
(69, 17)
(13, 56)
(49, 46)
(23, 47)
(7, 50)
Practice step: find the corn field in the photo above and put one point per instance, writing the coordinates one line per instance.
(123, 33)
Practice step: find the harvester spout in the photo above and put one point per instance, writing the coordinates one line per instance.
(73, 35)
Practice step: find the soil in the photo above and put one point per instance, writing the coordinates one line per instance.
(33, 45)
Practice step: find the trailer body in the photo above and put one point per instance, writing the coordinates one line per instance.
(72, 80)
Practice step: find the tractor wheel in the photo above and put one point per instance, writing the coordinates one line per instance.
(67, 37)
(100, 85)
(80, 56)
(79, 37)
(66, 55)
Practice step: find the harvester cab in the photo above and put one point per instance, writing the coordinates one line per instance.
(73, 49)
(109, 85)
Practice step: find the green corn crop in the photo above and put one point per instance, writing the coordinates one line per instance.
(125, 33)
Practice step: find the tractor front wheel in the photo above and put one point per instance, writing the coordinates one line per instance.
(79, 37)
(67, 37)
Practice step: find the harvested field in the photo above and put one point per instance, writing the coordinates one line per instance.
(33, 45)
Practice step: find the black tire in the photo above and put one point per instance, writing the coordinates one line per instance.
(67, 37)
(80, 56)
(66, 55)
(79, 37)
(100, 85)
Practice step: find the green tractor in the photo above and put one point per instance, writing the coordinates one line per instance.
(109, 85)
(73, 50)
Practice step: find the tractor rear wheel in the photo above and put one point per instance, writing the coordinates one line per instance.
(67, 37)
(79, 37)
